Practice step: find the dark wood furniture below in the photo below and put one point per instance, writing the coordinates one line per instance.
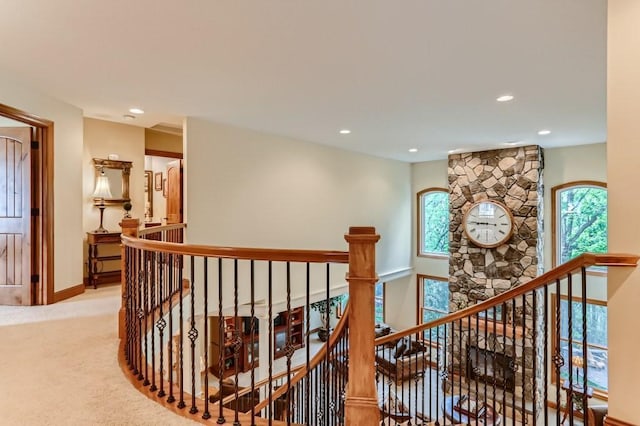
(295, 320)
(221, 347)
(96, 262)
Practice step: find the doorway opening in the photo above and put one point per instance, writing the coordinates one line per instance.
(38, 279)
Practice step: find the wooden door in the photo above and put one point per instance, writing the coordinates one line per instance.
(174, 192)
(15, 216)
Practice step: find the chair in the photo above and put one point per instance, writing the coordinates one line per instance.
(596, 414)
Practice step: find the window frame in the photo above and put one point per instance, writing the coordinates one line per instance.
(420, 295)
(384, 300)
(420, 224)
(555, 216)
(597, 392)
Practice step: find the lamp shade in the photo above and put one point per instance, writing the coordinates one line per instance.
(577, 361)
(102, 187)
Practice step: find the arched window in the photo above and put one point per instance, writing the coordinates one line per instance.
(579, 222)
(433, 222)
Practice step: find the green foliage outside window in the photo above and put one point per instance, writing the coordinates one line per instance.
(597, 352)
(583, 221)
(435, 303)
(435, 222)
(379, 302)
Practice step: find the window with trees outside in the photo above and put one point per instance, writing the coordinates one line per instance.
(379, 302)
(433, 222)
(579, 219)
(597, 353)
(433, 301)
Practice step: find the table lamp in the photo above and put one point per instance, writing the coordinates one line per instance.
(101, 192)
(578, 362)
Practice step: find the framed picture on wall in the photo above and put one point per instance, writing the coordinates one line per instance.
(157, 181)
(164, 188)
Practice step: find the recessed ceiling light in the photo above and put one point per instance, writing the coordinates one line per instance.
(345, 131)
(504, 98)
(413, 149)
(544, 132)
(136, 111)
(129, 117)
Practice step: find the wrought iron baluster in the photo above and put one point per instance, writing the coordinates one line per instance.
(193, 335)
(237, 341)
(206, 414)
(221, 345)
(171, 398)
(534, 346)
(546, 354)
(558, 360)
(570, 349)
(252, 331)
(145, 275)
(585, 363)
(524, 357)
(161, 323)
(181, 403)
(307, 396)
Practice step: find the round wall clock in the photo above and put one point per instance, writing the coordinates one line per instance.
(488, 224)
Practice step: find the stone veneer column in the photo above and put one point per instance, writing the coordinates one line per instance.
(514, 178)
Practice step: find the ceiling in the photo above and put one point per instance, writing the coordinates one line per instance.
(399, 74)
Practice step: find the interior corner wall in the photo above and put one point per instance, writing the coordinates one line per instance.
(246, 188)
(67, 171)
(623, 152)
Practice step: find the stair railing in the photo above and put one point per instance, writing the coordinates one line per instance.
(174, 293)
(516, 358)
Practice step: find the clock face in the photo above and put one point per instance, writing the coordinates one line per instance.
(488, 224)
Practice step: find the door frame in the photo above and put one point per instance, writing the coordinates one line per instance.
(42, 176)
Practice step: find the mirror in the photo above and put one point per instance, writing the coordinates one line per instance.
(148, 195)
(118, 174)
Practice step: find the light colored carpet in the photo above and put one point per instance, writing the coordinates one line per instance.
(58, 366)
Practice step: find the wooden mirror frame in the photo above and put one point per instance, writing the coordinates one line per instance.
(125, 166)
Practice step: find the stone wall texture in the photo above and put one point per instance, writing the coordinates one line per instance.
(514, 178)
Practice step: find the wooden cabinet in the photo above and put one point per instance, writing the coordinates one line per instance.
(223, 344)
(250, 348)
(101, 266)
(293, 321)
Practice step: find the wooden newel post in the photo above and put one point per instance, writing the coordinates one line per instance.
(362, 398)
(129, 228)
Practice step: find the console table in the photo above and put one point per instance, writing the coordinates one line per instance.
(100, 275)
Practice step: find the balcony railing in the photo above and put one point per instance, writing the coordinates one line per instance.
(224, 335)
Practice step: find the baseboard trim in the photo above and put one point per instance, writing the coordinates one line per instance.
(610, 421)
(68, 293)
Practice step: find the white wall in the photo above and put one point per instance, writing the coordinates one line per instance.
(623, 152)
(67, 170)
(246, 188)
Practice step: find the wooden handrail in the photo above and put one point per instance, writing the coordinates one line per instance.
(317, 358)
(259, 384)
(281, 255)
(160, 228)
(583, 261)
